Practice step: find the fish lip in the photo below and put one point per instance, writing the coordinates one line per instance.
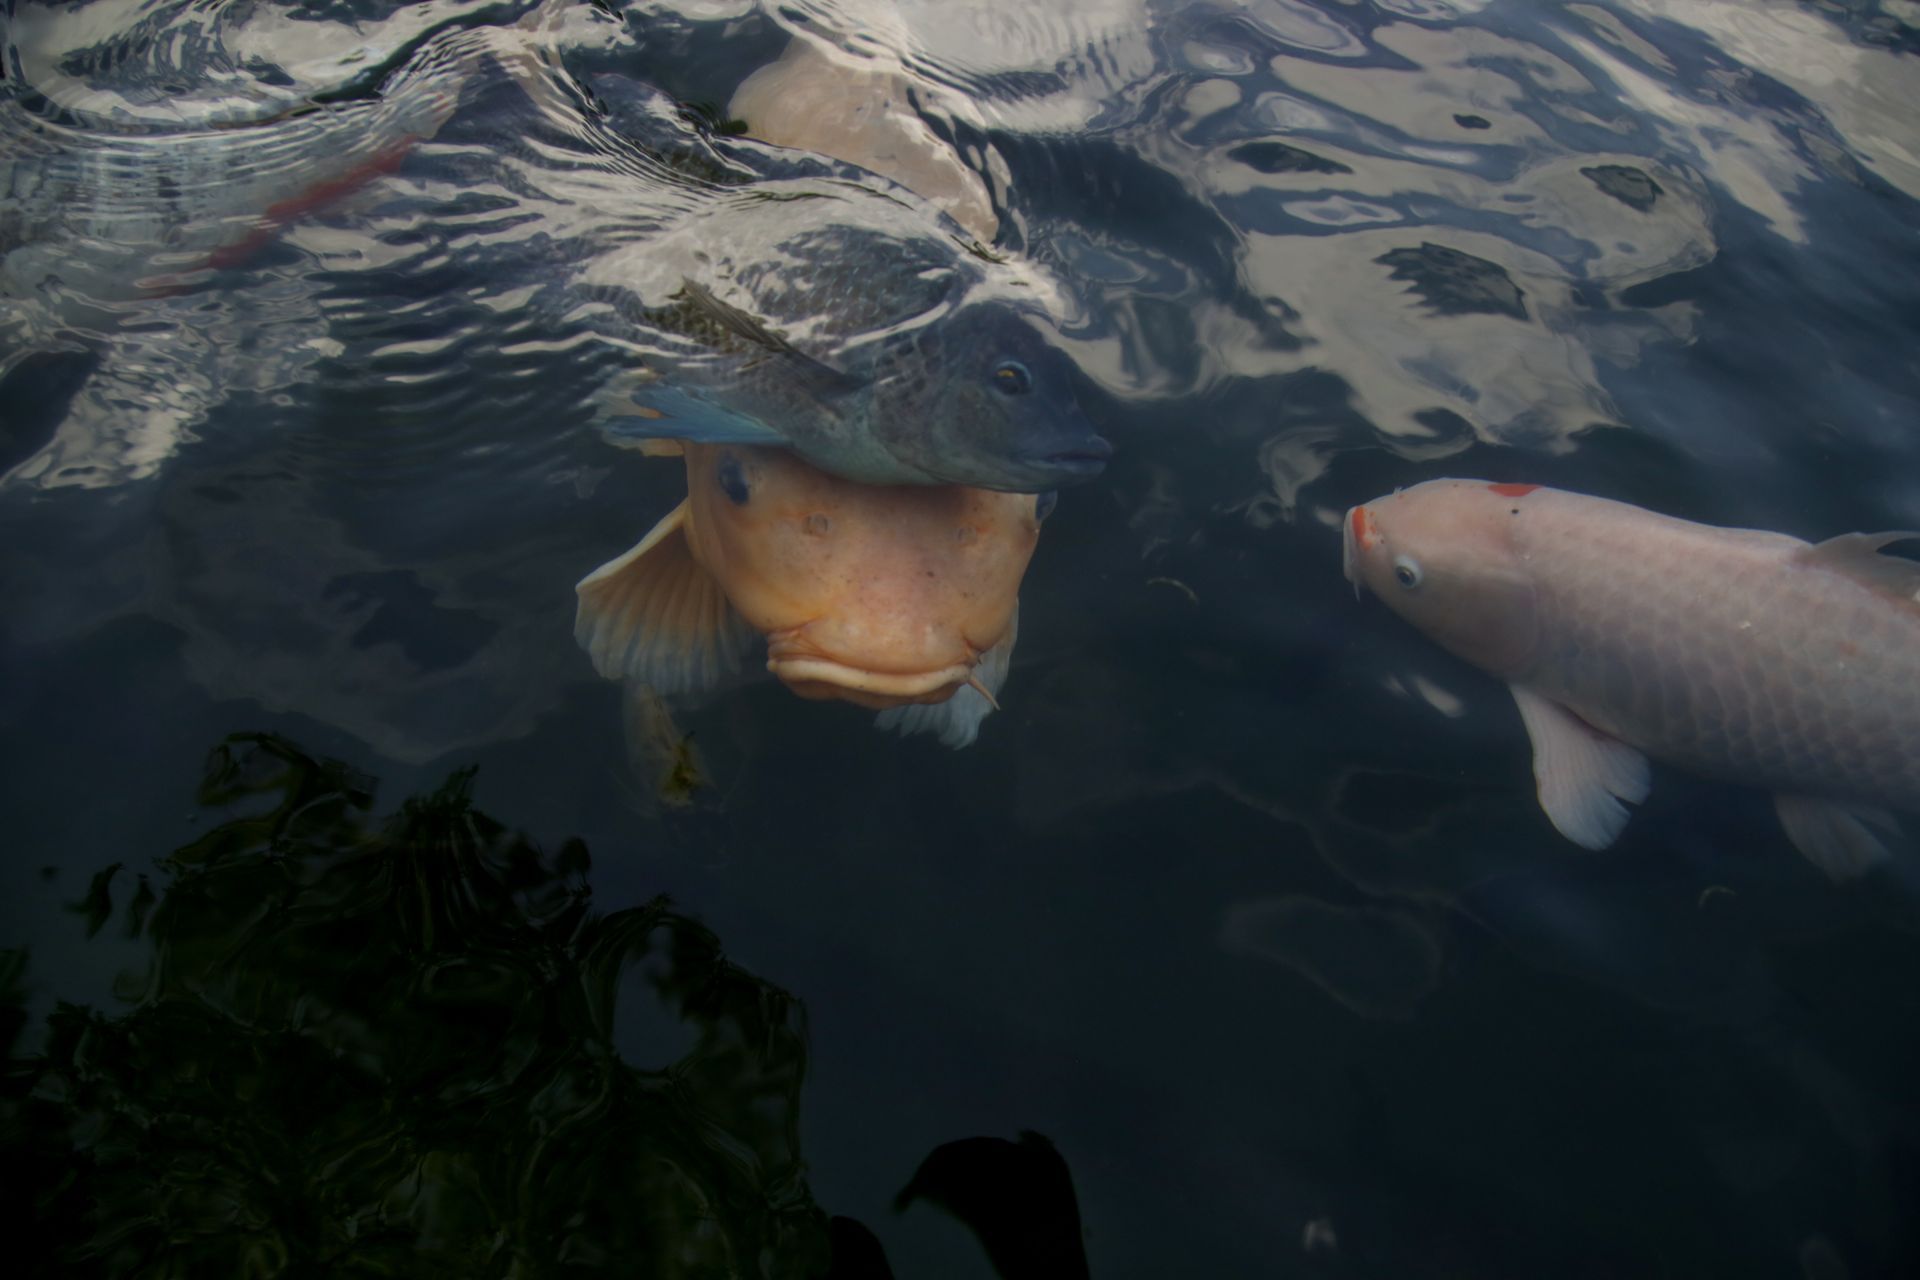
(797, 662)
(893, 686)
(1089, 449)
(1349, 553)
(1071, 469)
(1038, 471)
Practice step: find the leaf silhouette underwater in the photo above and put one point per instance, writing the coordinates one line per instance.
(1016, 1197)
(392, 1049)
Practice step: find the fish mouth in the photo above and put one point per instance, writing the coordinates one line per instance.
(812, 674)
(1080, 464)
(1088, 454)
(875, 690)
(1038, 472)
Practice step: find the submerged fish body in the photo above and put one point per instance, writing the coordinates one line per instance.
(900, 598)
(1623, 634)
(857, 329)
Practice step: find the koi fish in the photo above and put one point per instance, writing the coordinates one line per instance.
(853, 110)
(1735, 653)
(904, 599)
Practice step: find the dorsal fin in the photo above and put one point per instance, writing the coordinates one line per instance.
(821, 378)
(656, 616)
(1857, 555)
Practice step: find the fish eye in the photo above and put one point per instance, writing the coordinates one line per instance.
(1044, 504)
(1010, 377)
(733, 480)
(1406, 572)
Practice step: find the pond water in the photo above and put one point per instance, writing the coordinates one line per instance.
(353, 922)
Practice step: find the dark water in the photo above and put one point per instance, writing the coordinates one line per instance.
(1242, 907)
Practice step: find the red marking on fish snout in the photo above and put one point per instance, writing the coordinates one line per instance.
(1513, 490)
(1363, 531)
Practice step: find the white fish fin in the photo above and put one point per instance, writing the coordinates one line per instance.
(1839, 839)
(1582, 775)
(1857, 555)
(656, 616)
(957, 720)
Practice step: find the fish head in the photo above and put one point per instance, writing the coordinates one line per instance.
(981, 397)
(880, 595)
(1443, 556)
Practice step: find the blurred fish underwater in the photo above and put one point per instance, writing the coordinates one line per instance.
(322, 331)
(865, 329)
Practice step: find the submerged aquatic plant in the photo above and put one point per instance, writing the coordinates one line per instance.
(366, 1048)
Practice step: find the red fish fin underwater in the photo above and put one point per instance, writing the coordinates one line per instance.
(1844, 841)
(956, 722)
(1581, 774)
(1858, 555)
(655, 616)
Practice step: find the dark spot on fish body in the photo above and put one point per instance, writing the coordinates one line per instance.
(1472, 122)
(817, 525)
(732, 479)
(965, 534)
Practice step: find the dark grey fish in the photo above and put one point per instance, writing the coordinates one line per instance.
(862, 332)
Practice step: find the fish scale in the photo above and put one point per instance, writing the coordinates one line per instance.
(1737, 654)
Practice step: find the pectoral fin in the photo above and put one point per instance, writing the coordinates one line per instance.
(1840, 840)
(957, 720)
(1582, 775)
(657, 617)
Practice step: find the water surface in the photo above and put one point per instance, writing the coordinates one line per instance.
(1242, 905)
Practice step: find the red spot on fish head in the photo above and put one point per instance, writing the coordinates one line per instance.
(1513, 490)
(1363, 531)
